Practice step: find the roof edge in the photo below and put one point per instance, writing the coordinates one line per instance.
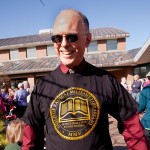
(142, 50)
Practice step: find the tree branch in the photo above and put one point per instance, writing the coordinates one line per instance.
(42, 2)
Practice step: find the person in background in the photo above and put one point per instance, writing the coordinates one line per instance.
(124, 83)
(4, 93)
(14, 132)
(6, 99)
(144, 107)
(70, 106)
(147, 80)
(2, 108)
(136, 87)
(20, 98)
(130, 87)
(26, 86)
(11, 93)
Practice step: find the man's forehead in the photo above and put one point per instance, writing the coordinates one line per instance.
(67, 21)
(67, 16)
(68, 13)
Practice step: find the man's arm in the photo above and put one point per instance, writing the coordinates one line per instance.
(28, 138)
(133, 134)
(142, 102)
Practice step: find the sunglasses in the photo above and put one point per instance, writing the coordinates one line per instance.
(71, 38)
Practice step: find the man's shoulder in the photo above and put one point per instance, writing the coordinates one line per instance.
(146, 87)
(49, 75)
(21, 91)
(49, 78)
(98, 71)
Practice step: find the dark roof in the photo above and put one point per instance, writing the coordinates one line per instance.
(108, 32)
(24, 41)
(45, 38)
(99, 59)
(130, 54)
(29, 65)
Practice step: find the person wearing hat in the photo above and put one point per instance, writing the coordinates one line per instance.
(144, 106)
(147, 80)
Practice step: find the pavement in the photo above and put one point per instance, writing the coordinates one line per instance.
(117, 139)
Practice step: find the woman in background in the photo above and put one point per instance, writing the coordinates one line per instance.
(14, 135)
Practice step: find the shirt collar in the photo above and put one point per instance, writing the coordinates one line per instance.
(79, 68)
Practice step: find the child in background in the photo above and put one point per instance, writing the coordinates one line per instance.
(14, 135)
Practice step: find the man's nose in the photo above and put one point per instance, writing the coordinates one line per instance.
(64, 41)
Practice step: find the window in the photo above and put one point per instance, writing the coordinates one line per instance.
(141, 71)
(111, 45)
(93, 47)
(136, 70)
(50, 50)
(31, 52)
(14, 54)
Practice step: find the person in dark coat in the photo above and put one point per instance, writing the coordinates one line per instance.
(70, 106)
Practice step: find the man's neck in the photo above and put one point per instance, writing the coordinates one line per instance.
(78, 68)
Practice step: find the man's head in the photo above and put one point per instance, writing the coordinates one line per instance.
(148, 75)
(20, 86)
(25, 84)
(136, 77)
(123, 80)
(71, 36)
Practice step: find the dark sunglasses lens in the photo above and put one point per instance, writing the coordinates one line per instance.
(56, 38)
(72, 38)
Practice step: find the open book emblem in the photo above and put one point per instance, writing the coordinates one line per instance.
(74, 109)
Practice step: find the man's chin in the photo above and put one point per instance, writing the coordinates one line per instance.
(68, 64)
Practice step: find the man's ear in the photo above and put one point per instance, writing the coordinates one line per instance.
(88, 39)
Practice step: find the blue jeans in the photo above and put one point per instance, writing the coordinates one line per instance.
(147, 134)
(136, 96)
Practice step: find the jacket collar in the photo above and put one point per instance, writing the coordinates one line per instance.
(78, 68)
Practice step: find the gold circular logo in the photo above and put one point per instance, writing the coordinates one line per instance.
(74, 113)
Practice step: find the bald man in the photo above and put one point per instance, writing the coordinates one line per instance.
(70, 106)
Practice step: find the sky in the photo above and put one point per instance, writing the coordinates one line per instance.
(27, 17)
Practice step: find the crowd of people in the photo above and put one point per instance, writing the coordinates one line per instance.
(14, 101)
(135, 87)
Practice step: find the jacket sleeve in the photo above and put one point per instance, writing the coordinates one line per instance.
(33, 134)
(28, 138)
(125, 109)
(134, 134)
(33, 138)
(142, 102)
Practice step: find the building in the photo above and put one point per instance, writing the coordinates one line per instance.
(33, 56)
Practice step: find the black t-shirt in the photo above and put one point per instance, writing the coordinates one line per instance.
(74, 109)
